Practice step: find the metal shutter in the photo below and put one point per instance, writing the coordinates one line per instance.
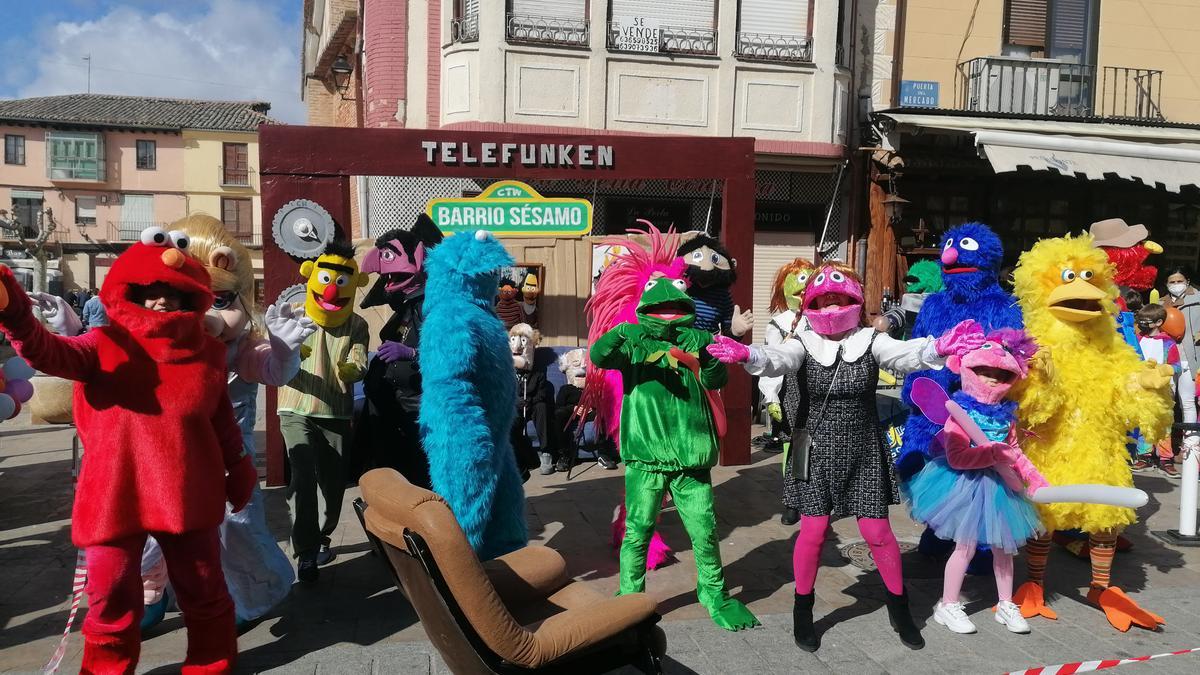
(137, 212)
(470, 8)
(552, 9)
(771, 251)
(774, 17)
(1069, 26)
(672, 14)
(1026, 22)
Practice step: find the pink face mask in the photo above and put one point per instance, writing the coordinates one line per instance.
(833, 302)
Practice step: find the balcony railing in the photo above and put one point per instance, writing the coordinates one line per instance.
(675, 40)
(233, 177)
(547, 30)
(1130, 93)
(131, 230)
(72, 168)
(771, 47)
(1056, 89)
(465, 29)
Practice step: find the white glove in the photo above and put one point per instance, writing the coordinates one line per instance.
(285, 325)
(57, 314)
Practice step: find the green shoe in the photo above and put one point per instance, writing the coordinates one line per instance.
(733, 615)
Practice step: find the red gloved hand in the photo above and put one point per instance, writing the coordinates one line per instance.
(239, 484)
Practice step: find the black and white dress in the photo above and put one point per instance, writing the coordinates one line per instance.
(851, 472)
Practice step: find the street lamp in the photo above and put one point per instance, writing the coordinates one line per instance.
(893, 206)
(341, 69)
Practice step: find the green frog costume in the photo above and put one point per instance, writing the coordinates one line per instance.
(670, 421)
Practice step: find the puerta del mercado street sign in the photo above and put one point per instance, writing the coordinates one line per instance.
(515, 209)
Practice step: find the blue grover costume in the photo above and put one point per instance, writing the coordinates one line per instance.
(971, 258)
(470, 395)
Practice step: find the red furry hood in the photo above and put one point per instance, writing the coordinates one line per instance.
(1132, 272)
(165, 336)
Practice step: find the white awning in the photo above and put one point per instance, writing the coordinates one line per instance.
(1172, 165)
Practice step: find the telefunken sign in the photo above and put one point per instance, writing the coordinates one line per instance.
(554, 155)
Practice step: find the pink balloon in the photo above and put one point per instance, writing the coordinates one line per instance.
(21, 390)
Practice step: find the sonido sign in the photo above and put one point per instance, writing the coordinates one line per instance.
(512, 208)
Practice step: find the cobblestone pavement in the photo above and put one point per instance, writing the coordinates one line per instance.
(354, 621)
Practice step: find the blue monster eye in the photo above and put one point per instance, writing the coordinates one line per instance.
(948, 244)
(1068, 276)
(968, 244)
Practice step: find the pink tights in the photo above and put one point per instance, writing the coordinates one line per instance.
(877, 532)
(956, 570)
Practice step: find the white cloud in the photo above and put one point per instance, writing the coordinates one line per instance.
(221, 49)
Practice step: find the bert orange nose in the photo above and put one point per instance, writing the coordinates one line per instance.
(172, 258)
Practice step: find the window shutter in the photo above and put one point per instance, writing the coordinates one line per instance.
(773, 250)
(245, 217)
(552, 9)
(774, 17)
(673, 14)
(1026, 22)
(1069, 26)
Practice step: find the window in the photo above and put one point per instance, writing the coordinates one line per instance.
(147, 155)
(1057, 29)
(558, 22)
(682, 26)
(236, 170)
(14, 149)
(85, 210)
(775, 30)
(137, 213)
(465, 26)
(237, 216)
(75, 156)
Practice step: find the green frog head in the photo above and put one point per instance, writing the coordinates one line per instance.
(666, 304)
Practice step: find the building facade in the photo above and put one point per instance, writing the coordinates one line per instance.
(1039, 117)
(102, 168)
(779, 71)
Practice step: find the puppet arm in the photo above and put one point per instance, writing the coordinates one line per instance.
(1038, 396)
(242, 476)
(769, 386)
(776, 361)
(1147, 401)
(905, 356)
(72, 358)
(960, 454)
(713, 373)
(609, 350)
(267, 362)
(355, 366)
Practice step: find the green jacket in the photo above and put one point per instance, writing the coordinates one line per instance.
(666, 422)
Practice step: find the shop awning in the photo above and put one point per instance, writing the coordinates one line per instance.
(1172, 165)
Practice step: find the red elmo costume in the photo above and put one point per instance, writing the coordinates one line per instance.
(153, 413)
(1132, 270)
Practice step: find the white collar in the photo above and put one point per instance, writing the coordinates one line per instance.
(825, 350)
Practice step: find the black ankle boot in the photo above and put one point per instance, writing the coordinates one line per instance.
(802, 623)
(901, 620)
(790, 516)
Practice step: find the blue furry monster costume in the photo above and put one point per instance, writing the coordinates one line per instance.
(470, 394)
(971, 259)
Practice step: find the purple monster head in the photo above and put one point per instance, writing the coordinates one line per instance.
(399, 260)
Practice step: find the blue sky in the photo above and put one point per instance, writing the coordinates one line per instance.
(210, 49)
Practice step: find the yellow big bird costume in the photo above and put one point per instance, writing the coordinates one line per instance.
(1087, 389)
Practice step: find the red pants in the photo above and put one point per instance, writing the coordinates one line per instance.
(112, 636)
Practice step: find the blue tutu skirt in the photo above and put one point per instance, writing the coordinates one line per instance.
(972, 506)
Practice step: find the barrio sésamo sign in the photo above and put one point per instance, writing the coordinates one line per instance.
(512, 208)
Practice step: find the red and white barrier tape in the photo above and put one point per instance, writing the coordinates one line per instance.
(1090, 666)
(77, 587)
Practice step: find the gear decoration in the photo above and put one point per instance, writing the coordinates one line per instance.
(293, 295)
(302, 228)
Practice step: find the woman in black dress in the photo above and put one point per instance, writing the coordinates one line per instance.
(849, 471)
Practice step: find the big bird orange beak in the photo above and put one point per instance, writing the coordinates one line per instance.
(1076, 302)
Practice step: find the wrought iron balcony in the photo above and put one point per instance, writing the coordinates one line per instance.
(130, 230)
(1049, 88)
(771, 47)
(547, 30)
(675, 40)
(465, 29)
(233, 177)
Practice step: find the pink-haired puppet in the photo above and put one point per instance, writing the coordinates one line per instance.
(615, 302)
(962, 493)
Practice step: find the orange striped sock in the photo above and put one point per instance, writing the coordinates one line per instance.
(1036, 552)
(1103, 547)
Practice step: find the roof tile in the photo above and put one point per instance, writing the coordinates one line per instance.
(138, 112)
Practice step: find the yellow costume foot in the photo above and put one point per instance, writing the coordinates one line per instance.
(1031, 598)
(1121, 611)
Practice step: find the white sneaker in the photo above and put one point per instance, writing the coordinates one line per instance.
(952, 616)
(1009, 615)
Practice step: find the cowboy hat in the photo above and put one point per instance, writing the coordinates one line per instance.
(1117, 233)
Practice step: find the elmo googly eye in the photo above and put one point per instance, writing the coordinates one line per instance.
(179, 240)
(680, 284)
(1068, 276)
(968, 244)
(154, 236)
